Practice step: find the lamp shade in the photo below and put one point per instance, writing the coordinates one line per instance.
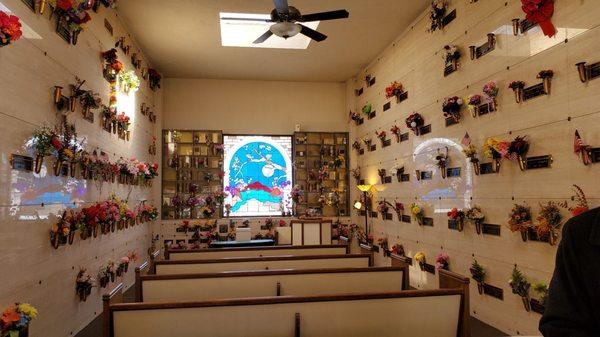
(285, 29)
(364, 188)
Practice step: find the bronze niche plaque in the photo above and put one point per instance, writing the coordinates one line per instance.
(402, 97)
(359, 91)
(527, 25)
(538, 162)
(484, 49)
(490, 229)
(533, 236)
(486, 168)
(108, 27)
(373, 148)
(428, 222)
(360, 121)
(495, 292)
(387, 106)
(362, 213)
(449, 18)
(405, 218)
(372, 81)
(386, 143)
(429, 268)
(372, 115)
(21, 163)
(485, 109)
(373, 214)
(594, 71)
(425, 130)
(404, 177)
(533, 91)
(388, 216)
(595, 155)
(449, 69)
(404, 137)
(62, 29)
(30, 4)
(453, 172)
(452, 224)
(361, 152)
(537, 306)
(387, 180)
(451, 121)
(426, 175)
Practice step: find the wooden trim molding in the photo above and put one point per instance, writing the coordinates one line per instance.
(367, 249)
(154, 257)
(109, 299)
(143, 268)
(451, 280)
(245, 249)
(264, 258)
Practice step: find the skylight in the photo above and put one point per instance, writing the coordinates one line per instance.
(241, 33)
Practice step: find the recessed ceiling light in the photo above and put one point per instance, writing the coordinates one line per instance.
(237, 31)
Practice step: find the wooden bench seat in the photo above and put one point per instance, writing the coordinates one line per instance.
(219, 253)
(309, 282)
(262, 263)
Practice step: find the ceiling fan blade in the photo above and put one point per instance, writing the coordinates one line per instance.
(313, 34)
(281, 6)
(263, 37)
(333, 15)
(246, 19)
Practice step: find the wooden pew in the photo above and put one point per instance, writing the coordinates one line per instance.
(412, 313)
(366, 249)
(451, 280)
(219, 253)
(307, 282)
(154, 257)
(115, 296)
(140, 271)
(261, 263)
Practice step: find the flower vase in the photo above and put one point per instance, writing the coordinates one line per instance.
(112, 226)
(547, 81)
(57, 168)
(119, 272)
(496, 165)
(95, 231)
(522, 161)
(127, 135)
(54, 240)
(112, 277)
(39, 160)
(72, 168)
(552, 237)
(460, 224)
(454, 63)
(71, 236)
(114, 127)
(476, 167)
(72, 101)
(478, 226)
(75, 37)
(582, 69)
(518, 94)
(443, 171)
(524, 235)
(422, 266)
(515, 26)
(472, 52)
(480, 287)
(526, 303)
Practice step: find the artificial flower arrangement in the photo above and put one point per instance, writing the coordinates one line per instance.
(348, 230)
(520, 286)
(517, 150)
(129, 81)
(123, 123)
(74, 14)
(581, 200)
(41, 144)
(107, 273)
(495, 150)
(64, 231)
(297, 194)
(436, 14)
(367, 141)
(112, 66)
(354, 116)
(517, 87)
(10, 29)
(88, 99)
(398, 170)
(382, 135)
(471, 152)
(451, 56)
(442, 261)
(520, 220)
(546, 76)
(395, 130)
(475, 215)
(355, 172)
(491, 91)
(382, 173)
(420, 258)
(383, 207)
(541, 289)
(414, 122)
(398, 250)
(135, 172)
(395, 89)
(16, 319)
(83, 284)
(451, 108)
(548, 222)
(154, 79)
(383, 243)
(367, 109)
(66, 148)
(459, 217)
(540, 12)
(478, 274)
(418, 213)
(337, 162)
(399, 208)
(442, 160)
(473, 103)
(356, 145)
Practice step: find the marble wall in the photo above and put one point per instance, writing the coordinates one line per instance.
(32, 270)
(549, 122)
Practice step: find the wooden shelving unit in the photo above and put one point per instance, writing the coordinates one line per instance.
(190, 157)
(312, 151)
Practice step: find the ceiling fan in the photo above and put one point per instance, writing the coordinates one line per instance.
(286, 22)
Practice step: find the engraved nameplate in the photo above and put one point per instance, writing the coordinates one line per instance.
(62, 29)
(593, 71)
(386, 143)
(373, 147)
(483, 50)
(452, 224)
(359, 91)
(490, 229)
(404, 137)
(362, 213)
(429, 268)
(485, 109)
(373, 214)
(108, 27)
(538, 162)
(595, 155)
(404, 177)
(428, 222)
(426, 175)
(424, 130)
(375, 248)
(449, 18)
(453, 172)
(387, 106)
(360, 121)
(387, 180)
(533, 91)
(451, 121)
(388, 216)
(449, 69)
(361, 182)
(533, 236)
(527, 25)
(372, 81)
(495, 292)
(30, 4)
(402, 97)
(486, 168)
(372, 115)
(21, 163)
(405, 218)
(361, 152)
(537, 307)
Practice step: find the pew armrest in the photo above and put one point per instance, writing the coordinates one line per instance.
(451, 280)
(345, 241)
(366, 249)
(143, 269)
(113, 297)
(402, 262)
(154, 256)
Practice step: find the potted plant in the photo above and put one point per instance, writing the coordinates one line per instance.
(478, 274)
(546, 77)
(10, 29)
(471, 153)
(417, 213)
(16, 319)
(520, 220)
(459, 217)
(518, 88)
(520, 286)
(420, 259)
(549, 221)
(442, 261)
(475, 216)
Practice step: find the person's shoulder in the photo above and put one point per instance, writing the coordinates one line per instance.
(580, 226)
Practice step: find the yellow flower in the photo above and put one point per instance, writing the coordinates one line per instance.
(419, 257)
(416, 209)
(28, 310)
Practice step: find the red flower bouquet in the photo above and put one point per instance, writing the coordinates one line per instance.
(540, 12)
(10, 29)
(414, 122)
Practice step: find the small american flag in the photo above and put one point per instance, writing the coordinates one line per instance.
(578, 144)
(466, 141)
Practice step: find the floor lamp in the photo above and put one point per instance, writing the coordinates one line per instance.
(358, 205)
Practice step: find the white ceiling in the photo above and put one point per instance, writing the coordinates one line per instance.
(182, 38)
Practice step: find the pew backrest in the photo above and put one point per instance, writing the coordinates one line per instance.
(262, 263)
(204, 287)
(115, 296)
(219, 253)
(415, 313)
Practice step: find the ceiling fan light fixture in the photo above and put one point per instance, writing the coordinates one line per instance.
(285, 29)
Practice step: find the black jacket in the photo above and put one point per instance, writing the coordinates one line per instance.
(573, 307)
